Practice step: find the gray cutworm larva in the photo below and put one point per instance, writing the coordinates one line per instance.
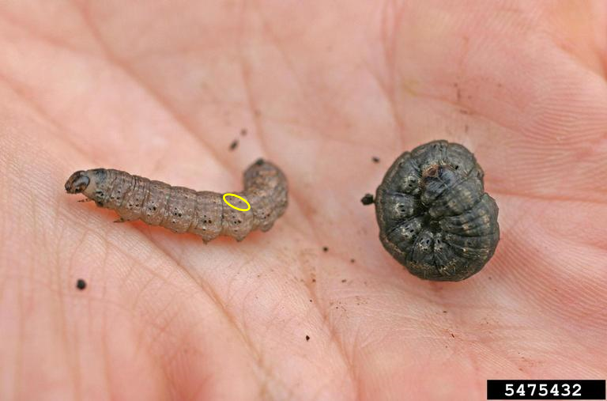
(181, 209)
(434, 215)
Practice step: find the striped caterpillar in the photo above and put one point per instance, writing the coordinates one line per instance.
(184, 210)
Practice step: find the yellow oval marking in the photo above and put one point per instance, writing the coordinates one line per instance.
(234, 207)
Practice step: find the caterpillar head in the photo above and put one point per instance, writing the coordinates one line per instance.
(85, 182)
(435, 180)
(77, 183)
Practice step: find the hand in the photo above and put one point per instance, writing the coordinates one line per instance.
(162, 89)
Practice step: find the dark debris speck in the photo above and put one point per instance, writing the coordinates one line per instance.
(375, 159)
(325, 249)
(367, 200)
(81, 284)
(307, 338)
(234, 144)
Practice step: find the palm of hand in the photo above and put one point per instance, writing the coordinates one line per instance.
(162, 91)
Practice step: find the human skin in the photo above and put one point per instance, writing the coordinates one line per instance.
(161, 89)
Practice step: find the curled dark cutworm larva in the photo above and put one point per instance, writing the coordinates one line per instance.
(434, 215)
(184, 210)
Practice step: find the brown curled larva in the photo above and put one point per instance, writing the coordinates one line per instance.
(183, 210)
